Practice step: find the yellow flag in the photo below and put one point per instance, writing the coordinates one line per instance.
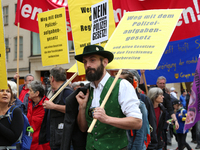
(3, 71)
(53, 37)
(80, 17)
(141, 38)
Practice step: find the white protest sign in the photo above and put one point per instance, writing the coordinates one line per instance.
(100, 22)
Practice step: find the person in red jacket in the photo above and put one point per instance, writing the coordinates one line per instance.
(36, 112)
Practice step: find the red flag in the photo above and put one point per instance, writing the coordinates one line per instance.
(18, 11)
(187, 26)
(28, 9)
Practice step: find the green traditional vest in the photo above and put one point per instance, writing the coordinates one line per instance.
(104, 136)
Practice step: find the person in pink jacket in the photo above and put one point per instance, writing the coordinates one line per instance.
(36, 112)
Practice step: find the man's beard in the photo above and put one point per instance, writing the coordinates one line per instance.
(90, 76)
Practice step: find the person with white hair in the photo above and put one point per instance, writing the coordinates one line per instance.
(75, 85)
(16, 101)
(172, 92)
(156, 96)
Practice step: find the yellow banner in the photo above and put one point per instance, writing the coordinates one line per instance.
(80, 17)
(53, 37)
(141, 38)
(73, 68)
(3, 71)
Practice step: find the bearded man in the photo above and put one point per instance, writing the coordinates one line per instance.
(121, 111)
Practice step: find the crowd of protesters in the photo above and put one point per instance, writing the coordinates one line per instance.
(129, 109)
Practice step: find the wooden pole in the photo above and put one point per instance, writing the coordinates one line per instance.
(184, 86)
(18, 59)
(105, 99)
(62, 88)
(143, 76)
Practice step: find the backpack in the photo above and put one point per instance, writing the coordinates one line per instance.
(25, 139)
(135, 136)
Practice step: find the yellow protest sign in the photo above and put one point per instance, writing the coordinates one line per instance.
(80, 17)
(73, 69)
(53, 37)
(141, 38)
(3, 71)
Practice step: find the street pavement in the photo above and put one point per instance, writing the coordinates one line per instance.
(188, 140)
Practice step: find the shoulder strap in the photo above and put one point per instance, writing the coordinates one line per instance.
(4, 116)
(10, 113)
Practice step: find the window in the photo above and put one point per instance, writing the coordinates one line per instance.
(7, 46)
(5, 15)
(20, 47)
(36, 50)
(15, 8)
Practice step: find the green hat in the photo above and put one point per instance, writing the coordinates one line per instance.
(95, 49)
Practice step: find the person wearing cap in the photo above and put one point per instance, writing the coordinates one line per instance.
(181, 117)
(121, 112)
(172, 92)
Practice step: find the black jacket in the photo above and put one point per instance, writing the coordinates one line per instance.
(71, 131)
(53, 123)
(160, 127)
(167, 103)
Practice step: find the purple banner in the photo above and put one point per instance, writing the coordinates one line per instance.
(193, 112)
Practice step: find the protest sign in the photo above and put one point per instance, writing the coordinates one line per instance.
(141, 38)
(53, 37)
(3, 71)
(80, 16)
(100, 22)
(193, 112)
(73, 69)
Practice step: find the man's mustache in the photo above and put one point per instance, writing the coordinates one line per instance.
(89, 69)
